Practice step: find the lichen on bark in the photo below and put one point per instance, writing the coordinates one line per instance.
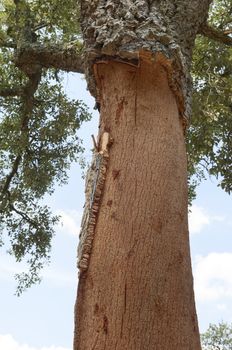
(125, 29)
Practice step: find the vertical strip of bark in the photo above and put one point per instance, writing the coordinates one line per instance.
(137, 293)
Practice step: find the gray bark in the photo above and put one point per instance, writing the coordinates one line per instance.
(67, 58)
(123, 29)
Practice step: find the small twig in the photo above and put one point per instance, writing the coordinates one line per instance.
(23, 215)
(40, 26)
(94, 143)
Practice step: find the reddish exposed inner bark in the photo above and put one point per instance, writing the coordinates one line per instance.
(137, 293)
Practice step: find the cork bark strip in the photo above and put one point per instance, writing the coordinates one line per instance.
(121, 29)
(138, 291)
(95, 181)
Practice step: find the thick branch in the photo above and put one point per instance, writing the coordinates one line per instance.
(11, 174)
(51, 56)
(30, 54)
(216, 35)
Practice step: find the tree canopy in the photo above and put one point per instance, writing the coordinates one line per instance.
(39, 123)
(209, 138)
(38, 133)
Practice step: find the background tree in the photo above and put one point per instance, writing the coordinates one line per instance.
(217, 337)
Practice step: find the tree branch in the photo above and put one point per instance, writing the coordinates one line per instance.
(11, 92)
(8, 44)
(40, 26)
(67, 58)
(11, 175)
(228, 31)
(27, 108)
(23, 215)
(217, 35)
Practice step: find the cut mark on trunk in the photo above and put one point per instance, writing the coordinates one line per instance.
(95, 342)
(136, 95)
(105, 324)
(125, 296)
(95, 181)
(124, 309)
(109, 203)
(119, 110)
(96, 309)
(115, 173)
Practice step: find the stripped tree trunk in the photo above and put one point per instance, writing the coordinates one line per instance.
(135, 290)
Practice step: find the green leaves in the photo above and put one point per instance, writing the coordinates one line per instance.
(38, 126)
(210, 134)
(30, 228)
(50, 21)
(36, 150)
(58, 22)
(217, 337)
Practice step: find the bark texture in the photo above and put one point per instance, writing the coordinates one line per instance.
(123, 28)
(135, 290)
(67, 58)
(137, 293)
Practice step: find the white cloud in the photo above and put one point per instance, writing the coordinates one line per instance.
(213, 277)
(218, 218)
(197, 219)
(8, 267)
(70, 221)
(221, 307)
(7, 342)
(61, 277)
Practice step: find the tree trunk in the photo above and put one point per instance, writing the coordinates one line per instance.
(137, 292)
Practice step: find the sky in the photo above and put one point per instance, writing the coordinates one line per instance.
(42, 318)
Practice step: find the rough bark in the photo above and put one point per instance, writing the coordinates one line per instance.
(67, 58)
(137, 292)
(123, 28)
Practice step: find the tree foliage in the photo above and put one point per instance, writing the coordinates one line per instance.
(217, 337)
(38, 133)
(210, 132)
